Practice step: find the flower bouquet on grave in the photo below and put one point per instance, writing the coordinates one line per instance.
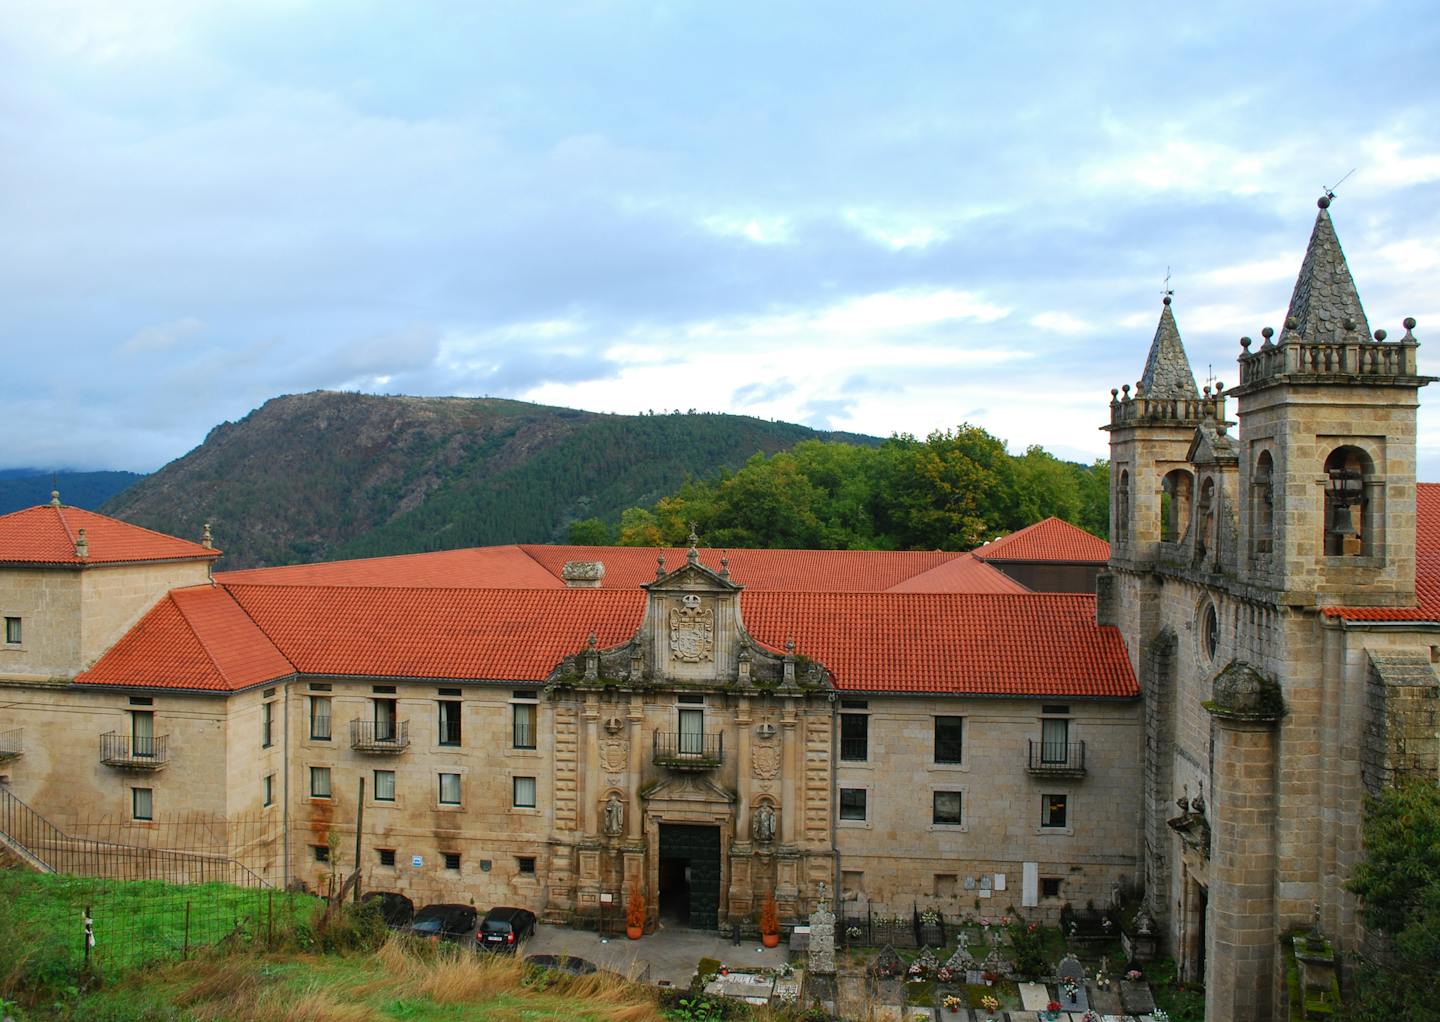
(990, 1004)
(1051, 1012)
(944, 975)
(953, 1003)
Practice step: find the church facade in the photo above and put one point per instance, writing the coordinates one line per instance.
(1265, 581)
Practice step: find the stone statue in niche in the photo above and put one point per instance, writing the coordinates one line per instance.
(762, 823)
(614, 823)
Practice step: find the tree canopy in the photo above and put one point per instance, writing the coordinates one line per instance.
(954, 490)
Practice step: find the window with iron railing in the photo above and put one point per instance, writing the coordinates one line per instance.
(1054, 739)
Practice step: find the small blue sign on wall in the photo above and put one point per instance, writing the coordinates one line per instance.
(417, 861)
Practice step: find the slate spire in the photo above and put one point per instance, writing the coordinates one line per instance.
(1325, 307)
(1167, 370)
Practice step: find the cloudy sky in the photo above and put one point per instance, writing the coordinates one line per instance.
(880, 217)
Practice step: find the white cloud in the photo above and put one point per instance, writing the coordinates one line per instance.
(761, 230)
(1060, 323)
(1261, 271)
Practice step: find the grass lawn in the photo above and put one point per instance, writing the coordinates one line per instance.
(139, 921)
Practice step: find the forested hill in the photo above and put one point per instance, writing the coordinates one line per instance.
(327, 475)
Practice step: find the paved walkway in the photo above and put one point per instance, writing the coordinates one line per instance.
(668, 956)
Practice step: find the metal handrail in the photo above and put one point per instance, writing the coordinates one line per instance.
(685, 747)
(133, 750)
(12, 742)
(379, 735)
(1057, 756)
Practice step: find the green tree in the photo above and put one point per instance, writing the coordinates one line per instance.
(1399, 886)
(589, 532)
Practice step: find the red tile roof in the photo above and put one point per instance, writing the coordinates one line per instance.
(492, 567)
(857, 571)
(195, 638)
(46, 534)
(1034, 645)
(1048, 540)
(961, 574)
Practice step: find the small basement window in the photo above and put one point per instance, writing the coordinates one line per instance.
(322, 852)
(387, 856)
(1049, 887)
(526, 865)
(452, 860)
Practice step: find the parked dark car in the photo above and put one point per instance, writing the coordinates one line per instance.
(397, 910)
(444, 922)
(504, 928)
(563, 963)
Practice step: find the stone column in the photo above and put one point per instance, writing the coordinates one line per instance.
(586, 791)
(743, 721)
(633, 811)
(1240, 934)
(791, 777)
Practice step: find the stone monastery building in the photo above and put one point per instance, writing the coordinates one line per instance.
(545, 726)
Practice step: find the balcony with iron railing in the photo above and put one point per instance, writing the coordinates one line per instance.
(1056, 759)
(134, 752)
(12, 744)
(688, 751)
(382, 736)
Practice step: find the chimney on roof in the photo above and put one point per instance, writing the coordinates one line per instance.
(54, 498)
(581, 574)
(206, 540)
(82, 545)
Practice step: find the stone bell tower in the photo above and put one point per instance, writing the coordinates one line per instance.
(1328, 460)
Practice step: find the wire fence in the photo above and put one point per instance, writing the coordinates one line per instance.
(116, 893)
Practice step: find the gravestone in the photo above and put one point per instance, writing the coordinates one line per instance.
(1070, 991)
(887, 963)
(1105, 1002)
(927, 961)
(1136, 997)
(962, 962)
(821, 950)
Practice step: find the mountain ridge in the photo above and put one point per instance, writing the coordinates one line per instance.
(328, 474)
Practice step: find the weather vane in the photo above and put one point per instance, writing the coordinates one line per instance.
(1330, 189)
(1169, 291)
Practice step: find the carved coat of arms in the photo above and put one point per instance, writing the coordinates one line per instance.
(614, 754)
(765, 760)
(692, 631)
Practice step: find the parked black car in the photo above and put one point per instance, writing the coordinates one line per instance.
(504, 928)
(397, 910)
(444, 922)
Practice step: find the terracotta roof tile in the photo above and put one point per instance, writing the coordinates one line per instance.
(495, 634)
(1050, 540)
(493, 567)
(961, 574)
(1034, 645)
(828, 570)
(195, 638)
(46, 534)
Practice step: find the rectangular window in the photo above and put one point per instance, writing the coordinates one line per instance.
(449, 721)
(320, 718)
(852, 803)
(142, 733)
(387, 856)
(384, 719)
(524, 793)
(319, 782)
(267, 724)
(691, 697)
(949, 739)
(12, 631)
(449, 789)
(526, 865)
(692, 732)
(1054, 739)
(523, 725)
(322, 852)
(267, 788)
(1053, 810)
(1049, 887)
(452, 860)
(854, 737)
(142, 803)
(384, 785)
(946, 809)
